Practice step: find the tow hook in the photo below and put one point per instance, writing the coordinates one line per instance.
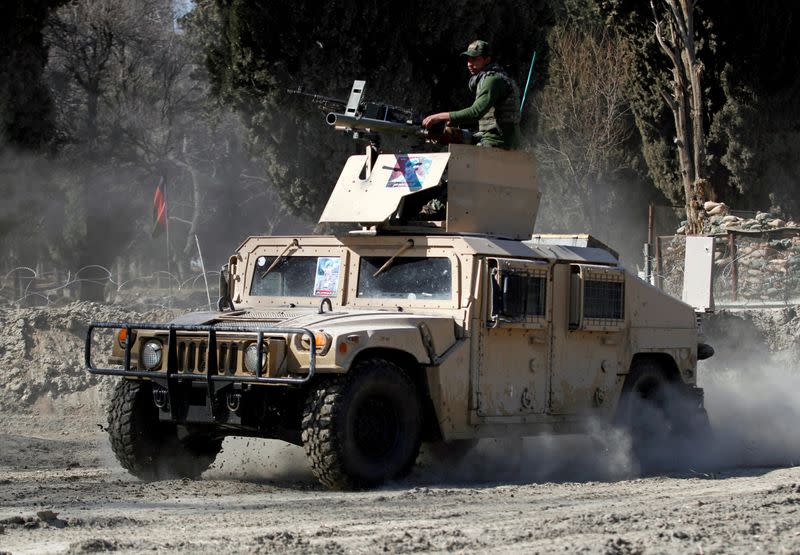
(160, 397)
(233, 401)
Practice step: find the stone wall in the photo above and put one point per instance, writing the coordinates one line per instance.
(756, 260)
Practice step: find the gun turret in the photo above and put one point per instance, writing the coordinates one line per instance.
(369, 120)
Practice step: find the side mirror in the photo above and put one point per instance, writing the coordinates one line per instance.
(224, 302)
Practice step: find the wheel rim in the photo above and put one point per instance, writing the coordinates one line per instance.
(376, 427)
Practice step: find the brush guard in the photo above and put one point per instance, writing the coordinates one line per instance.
(212, 363)
(170, 376)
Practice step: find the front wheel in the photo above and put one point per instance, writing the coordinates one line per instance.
(363, 429)
(150, 449)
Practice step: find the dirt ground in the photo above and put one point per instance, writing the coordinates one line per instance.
(95, 507)
(61, 491)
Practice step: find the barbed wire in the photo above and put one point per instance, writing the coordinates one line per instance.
(755, 281)
(25, 286)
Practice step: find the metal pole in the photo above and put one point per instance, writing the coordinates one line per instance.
(648, 247)
(734, 266)
(203, 268)
(659, 265)
(527, 84)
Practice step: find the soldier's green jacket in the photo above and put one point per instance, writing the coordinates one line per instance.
(491, 91)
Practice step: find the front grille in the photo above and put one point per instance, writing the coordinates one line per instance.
(192, 356)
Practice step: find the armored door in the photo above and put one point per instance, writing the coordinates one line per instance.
(514, 343)
(588, 323)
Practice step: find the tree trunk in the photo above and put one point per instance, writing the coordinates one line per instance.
(686, 104)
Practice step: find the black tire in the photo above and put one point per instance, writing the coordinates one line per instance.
(153, 450)
(666, 424)
(363, 429)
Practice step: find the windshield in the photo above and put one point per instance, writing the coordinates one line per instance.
(406, 278)
(296, 276)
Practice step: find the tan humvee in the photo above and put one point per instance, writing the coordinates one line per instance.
(418, 327)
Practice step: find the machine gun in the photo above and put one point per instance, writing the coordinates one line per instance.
(369, 120)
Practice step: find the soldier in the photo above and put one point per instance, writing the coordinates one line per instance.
(496, 106)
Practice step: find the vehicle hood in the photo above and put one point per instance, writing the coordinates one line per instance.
(378, 325)
(312, 319)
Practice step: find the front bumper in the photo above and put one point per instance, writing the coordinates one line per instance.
(211, 374)
(174, 387)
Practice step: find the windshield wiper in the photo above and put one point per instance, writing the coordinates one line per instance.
(407, 245)
(295, 243)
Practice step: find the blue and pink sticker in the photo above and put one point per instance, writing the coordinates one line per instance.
(409, 171)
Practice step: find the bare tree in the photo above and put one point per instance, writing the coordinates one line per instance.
(135, 110)
(674, 28)
(584, 125)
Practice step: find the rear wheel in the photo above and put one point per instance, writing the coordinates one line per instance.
(666, 421)
(150, 449)
(363, 429)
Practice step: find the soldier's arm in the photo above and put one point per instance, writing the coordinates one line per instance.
(491, 91)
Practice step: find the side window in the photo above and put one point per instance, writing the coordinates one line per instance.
(519, 292)
(597, 298)
(521, 295)
(603, 299)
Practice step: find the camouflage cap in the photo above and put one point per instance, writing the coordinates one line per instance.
(478, 48)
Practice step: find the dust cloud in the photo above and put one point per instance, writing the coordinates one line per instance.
(619, 219)
(259, 459)
(753, 405)
(752, 396)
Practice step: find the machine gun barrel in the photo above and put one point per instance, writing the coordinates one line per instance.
(369, 120)
(344, 121)
(443, 135)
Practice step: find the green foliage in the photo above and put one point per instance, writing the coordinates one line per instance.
(408, 54)
(27, 124)
(26, 109)
(117, 100)
(751, 55)
(754, 137)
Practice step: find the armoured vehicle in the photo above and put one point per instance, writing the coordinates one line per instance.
(418, 326)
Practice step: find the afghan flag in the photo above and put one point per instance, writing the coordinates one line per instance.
(159, 212)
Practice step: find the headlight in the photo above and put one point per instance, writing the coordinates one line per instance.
(151, 354)
(251, 357)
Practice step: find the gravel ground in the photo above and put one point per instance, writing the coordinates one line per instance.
(61, 491)
(61, 496)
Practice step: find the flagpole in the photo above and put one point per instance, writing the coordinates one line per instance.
(166, 224)
(203, 268)
(530, 73)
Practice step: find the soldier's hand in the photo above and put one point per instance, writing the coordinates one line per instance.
(433, 119)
